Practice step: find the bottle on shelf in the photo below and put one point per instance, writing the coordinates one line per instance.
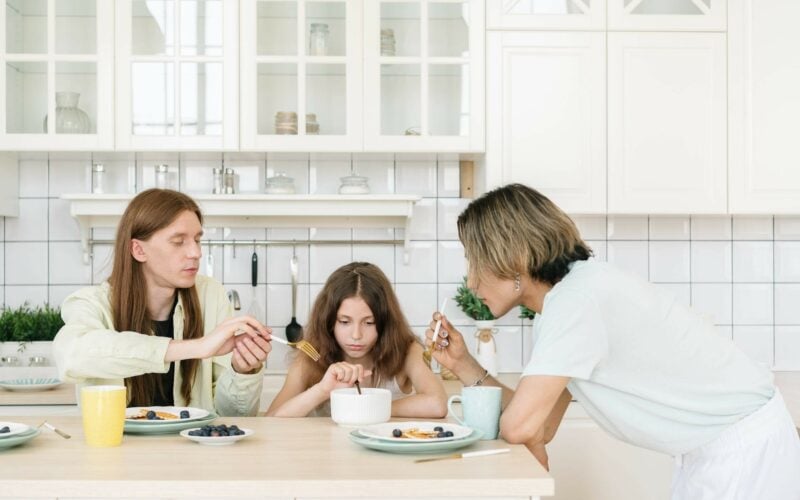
(230, 181)
(219, 187)
(318, 40)
(98, 178)
(162, 176)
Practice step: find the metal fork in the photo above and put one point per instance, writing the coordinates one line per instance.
(54, 429)
(304, 346)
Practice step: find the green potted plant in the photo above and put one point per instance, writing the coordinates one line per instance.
(24, 325)
(473, 306)
(526, 313)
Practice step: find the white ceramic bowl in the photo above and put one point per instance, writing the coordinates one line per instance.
(351, 409)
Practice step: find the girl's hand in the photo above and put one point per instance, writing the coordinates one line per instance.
(249, 353)
(222, 340)
(341, 375)
(450, 350)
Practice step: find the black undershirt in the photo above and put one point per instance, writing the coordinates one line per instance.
(166, 329)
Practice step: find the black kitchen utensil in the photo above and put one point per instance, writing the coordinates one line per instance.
(294, 332)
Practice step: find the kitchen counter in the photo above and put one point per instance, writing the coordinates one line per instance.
(286, 458)
(64, 394)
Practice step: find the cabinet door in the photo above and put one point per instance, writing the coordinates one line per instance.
(667, 15)
(764, 104)
(547, 121)
(56, 74)
(666, 123)
(301, 75)
(424, 76)
(177, 74)
(546, 14)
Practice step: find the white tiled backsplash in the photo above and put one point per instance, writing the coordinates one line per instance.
(742, 272)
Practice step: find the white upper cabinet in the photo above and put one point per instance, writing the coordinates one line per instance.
(424, 75)
(546, 14)
(667, 15)
(177, 74)
(547, 120)
(667, 123)
(301, 65)
(56, 75)
(764, 103)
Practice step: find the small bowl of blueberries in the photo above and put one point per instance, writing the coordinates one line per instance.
(216, 435)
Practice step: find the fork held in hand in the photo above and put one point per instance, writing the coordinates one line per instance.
(304, 346)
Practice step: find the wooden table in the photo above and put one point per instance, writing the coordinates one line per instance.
(286, 458)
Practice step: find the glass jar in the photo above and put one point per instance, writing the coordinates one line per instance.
(98, 178)
(318, 40)
(162, 176)
(280, 183)
(219, 187)
(354, 184)
(312, 126)
(229, 179)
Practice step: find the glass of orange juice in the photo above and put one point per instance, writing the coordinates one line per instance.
(103, 411)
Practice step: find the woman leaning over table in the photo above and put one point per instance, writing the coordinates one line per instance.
(168, 334)
(646, 368)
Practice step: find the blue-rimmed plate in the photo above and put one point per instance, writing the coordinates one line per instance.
(167, 426)
(19, 439)
(414, 447)
(30, 384)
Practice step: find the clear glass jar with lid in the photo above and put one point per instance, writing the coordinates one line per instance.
(280, 183)
(354, 184)
(318, 40)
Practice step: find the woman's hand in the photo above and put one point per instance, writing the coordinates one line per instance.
(249, 353)
(341, 375)
(450, 350)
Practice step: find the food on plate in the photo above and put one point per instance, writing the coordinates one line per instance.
(414, 433)
(145, 414)
(217, 431)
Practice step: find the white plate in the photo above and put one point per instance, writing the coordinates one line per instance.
(384, 431)
(194, 414)
(15, 429)
(30, 384)
(216, 441)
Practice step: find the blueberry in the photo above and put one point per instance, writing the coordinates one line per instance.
(184, 413)
(397, 433)
(197, 432)
(448, 434)
(215, 433)
(438, 428)
(151, 415)
(441, 434)
(4, 430)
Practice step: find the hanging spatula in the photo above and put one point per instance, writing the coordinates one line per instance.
(294, 332)
(254, 310)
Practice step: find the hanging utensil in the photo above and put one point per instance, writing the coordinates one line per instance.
(254, 310)
(294, 332)
(209, 263)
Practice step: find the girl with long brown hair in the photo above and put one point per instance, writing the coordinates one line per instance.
(359, 329)
(168, 334)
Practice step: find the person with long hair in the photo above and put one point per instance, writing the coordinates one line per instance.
(165, 332)
(359, 329)
(646, 368)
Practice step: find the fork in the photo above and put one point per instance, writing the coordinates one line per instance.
(304, 346)
(54, 429)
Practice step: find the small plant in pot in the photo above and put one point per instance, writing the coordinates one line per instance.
(25, 325)
(474, 307)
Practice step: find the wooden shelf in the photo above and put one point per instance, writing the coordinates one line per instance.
(261, 210)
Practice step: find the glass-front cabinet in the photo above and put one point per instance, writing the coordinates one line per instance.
(301, 75)
(56, 75)
(424, 75)
(177, 74)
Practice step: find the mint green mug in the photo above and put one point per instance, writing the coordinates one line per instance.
(480, 409)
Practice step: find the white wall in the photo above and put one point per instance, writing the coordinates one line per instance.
(744, 272)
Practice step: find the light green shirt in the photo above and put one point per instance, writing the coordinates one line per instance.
(649, 370)
(89, 351)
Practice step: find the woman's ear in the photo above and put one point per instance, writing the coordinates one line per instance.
(137, 251)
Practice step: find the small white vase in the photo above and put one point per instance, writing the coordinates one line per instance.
(487, 349)
(69, 118)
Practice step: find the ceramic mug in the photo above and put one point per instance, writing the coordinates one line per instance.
(103, 412)
(480, 409)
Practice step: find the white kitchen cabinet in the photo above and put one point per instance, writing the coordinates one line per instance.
(546, 14)
(547, 121)
(667, 123)
(763, 104)
(56, 75)
(667, 15)
(177, 67)
(302, 69)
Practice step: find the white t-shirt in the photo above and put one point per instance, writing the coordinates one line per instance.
(646, 368)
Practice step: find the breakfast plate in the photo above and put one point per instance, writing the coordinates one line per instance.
(416, 446)
(18, 439)
(216, 440)
(14, 429)
(414, 432)
(30, 384)
(166, 427)
(164, 414)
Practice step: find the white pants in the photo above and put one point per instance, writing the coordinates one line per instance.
(757, 458)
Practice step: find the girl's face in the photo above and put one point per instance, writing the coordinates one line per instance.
(355, 330)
